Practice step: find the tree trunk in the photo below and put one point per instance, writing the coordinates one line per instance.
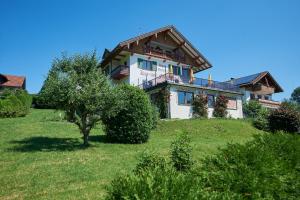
(86, 139)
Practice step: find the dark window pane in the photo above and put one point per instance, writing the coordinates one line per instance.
(181, 97)
(211, 101)
(189, 97)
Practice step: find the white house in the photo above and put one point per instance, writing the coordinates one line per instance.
(164, 60)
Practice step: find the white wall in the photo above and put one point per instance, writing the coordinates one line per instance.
(137, 75)
(186, 111)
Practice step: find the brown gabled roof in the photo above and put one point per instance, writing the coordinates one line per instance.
(254, 78)
(174, 33)
(12, 81)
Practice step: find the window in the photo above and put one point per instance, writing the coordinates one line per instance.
(185, 73)
(185, 98)
(252, 96)
(147, 64)
(267, 97)
(176, 70)
(258, 96)
(210, 100)
(232, 103)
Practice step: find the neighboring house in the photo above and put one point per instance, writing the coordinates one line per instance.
(11, 81)
(260, 86)
(165, 59)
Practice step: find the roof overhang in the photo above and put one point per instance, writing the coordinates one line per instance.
(278, 88)
(202, 62)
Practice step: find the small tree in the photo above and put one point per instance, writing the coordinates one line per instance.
(296, 95)
(251, 108)
(220, 109)
(200, 106)
(75, 85)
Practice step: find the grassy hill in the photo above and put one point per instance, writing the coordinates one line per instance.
(42, 156)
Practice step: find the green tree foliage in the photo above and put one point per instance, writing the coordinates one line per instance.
(181, 153)
(286, 118)
(261, 120)
(237, 172)
(220, 109)
(161, 100)
(200, 106)
(251, 108)
(132, 120)
(14, 103)
(296, 95)
(75, 85)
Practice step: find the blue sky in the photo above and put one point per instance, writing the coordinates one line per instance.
(238, 37)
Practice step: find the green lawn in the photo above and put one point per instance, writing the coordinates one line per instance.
(42, 157)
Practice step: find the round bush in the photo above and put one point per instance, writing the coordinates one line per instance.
(285, 118)
(132, 120)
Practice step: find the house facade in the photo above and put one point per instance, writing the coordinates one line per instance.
(261, 87)
(165, 60)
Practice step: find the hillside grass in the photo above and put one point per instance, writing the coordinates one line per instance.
(42, 156)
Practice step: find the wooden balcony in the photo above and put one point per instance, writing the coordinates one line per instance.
(164, 54)
(120, 72)
(269, 103)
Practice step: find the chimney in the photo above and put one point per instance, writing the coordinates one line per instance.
(231, 80)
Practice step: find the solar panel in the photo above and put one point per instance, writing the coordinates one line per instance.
(246, 79)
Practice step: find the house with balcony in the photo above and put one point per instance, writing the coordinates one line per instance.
(260, 86)
(164, 60)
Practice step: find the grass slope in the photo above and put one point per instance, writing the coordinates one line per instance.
(42, 157)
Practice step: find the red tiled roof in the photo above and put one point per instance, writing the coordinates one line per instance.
(12, 81)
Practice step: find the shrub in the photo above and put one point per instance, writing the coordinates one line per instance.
(261, 120)
(237, 172)
(251, 108)
(285, 118)
(150, 161)
(132, 121)
(265, 168)
(14, 103)
(220, 109)
(181, 151)
(161, 99)
(200, 106)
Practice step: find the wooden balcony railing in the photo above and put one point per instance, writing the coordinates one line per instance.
(169, 77)
(164, 54)
(120, 72)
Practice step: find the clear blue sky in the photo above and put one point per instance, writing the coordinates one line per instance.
(238, 37)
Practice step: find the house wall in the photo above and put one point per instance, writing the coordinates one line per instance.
(137, 75)
(186, 111)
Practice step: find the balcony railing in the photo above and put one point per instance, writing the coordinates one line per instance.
(164, 54)
(170, 78)
(120, 72)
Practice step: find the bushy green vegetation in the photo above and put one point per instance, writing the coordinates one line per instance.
(286, 118)
(220, 109)
(132, 119)
(251, 108)
(42, 155)
(237, 172)
(14, 103)
(181, 153)
(200, 106)
(261, 119)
